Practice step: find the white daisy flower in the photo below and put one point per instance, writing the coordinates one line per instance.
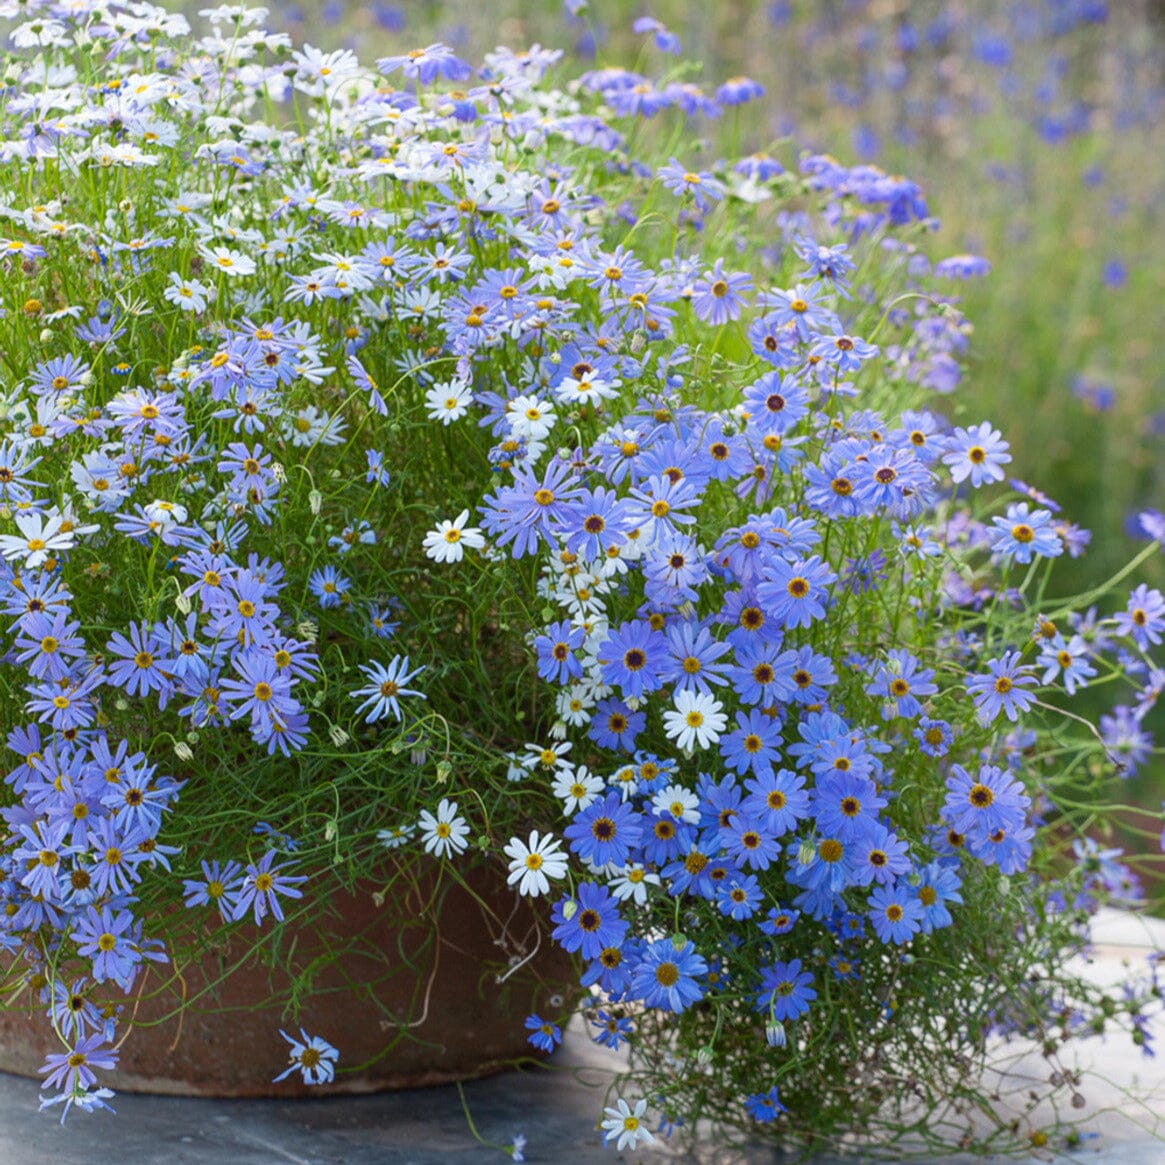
(581, 595)
(317, 72)
(531, 418)
(164, 515)
(187, 294)
(447, 543)
(573, 706)
(550, 759)
(578, 789)
(677, 802)
(586, 389)
(626, 780)
(446, 833)
(232, 262)
(516, 769)
(696, 721)
(625, 1126)
(449, 401)
(186, 205)
(631, 883)
(534, 862)
(308, 427)
(41, 537)
(395, 837)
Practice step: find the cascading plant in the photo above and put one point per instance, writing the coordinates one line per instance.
(421, 458)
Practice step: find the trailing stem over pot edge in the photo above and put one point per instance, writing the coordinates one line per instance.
(452, 470)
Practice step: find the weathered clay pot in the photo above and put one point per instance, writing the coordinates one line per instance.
(414, 999)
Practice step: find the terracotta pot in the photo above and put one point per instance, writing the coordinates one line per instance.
(413, 1000)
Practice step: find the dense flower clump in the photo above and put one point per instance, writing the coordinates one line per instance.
(421, 458)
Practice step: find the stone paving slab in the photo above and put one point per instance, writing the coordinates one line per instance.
(556, 1108)
(556, 1113)
(426, 1127)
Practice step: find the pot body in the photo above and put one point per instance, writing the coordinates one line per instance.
(406, 989)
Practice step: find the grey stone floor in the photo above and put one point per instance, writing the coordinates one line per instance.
(556, 1109)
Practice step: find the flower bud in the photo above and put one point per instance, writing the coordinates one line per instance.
(183, 751)
(775, 1034)
(569, 909)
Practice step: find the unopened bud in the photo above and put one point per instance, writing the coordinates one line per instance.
(775, 1034)
(315, 500)
(183, 751)
(569, 909)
